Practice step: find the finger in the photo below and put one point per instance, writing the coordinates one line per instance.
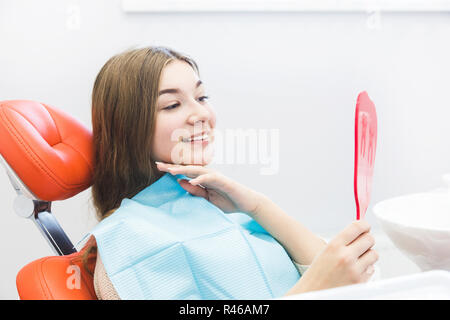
(367, 260)
(361, 244)
(190, 171)
(208, 180)
(212, 181)
(161, 166)
(352, 231)
(194, 190)
(198, 180)
(368, 273)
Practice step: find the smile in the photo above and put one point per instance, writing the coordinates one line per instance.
(204, 137)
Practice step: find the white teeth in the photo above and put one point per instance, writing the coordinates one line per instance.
(198, 138)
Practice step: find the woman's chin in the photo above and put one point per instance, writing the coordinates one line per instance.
(202, 160)
(192, 156)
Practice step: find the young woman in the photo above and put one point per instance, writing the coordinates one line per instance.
(151, 117)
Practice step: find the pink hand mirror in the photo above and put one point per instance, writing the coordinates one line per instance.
(365, 148)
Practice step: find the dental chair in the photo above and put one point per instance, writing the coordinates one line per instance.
(47, 155)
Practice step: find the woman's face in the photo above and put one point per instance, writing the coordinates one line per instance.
(184, 119)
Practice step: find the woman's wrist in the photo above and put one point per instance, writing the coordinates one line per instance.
(301, 286)
(301, 244)
(261, 201)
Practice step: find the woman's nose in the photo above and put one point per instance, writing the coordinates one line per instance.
(199, 113)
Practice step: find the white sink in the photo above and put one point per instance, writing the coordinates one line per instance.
(431, 285)
(419, 225)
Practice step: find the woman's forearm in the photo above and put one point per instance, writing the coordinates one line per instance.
(300, 243)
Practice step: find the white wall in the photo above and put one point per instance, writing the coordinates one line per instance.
(296, 72)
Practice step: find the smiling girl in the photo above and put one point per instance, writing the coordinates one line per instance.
(152, 118)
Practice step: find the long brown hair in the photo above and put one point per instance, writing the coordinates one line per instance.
(123, 121)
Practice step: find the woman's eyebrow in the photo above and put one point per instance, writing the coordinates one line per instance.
(177, 90)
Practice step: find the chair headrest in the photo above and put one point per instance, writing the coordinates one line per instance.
(48, 150)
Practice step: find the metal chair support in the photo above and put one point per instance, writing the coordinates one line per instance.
(26, 205)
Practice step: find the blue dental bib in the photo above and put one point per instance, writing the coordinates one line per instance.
(165, 243)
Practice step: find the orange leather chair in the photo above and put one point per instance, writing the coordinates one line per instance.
(48, 156)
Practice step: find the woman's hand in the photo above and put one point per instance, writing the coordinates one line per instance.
(347, 259)
(224, 193)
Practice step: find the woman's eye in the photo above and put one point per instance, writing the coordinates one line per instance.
(203, 98)
(171, 107)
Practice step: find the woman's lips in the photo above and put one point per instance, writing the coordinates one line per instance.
(198, 142)
(202, 139)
